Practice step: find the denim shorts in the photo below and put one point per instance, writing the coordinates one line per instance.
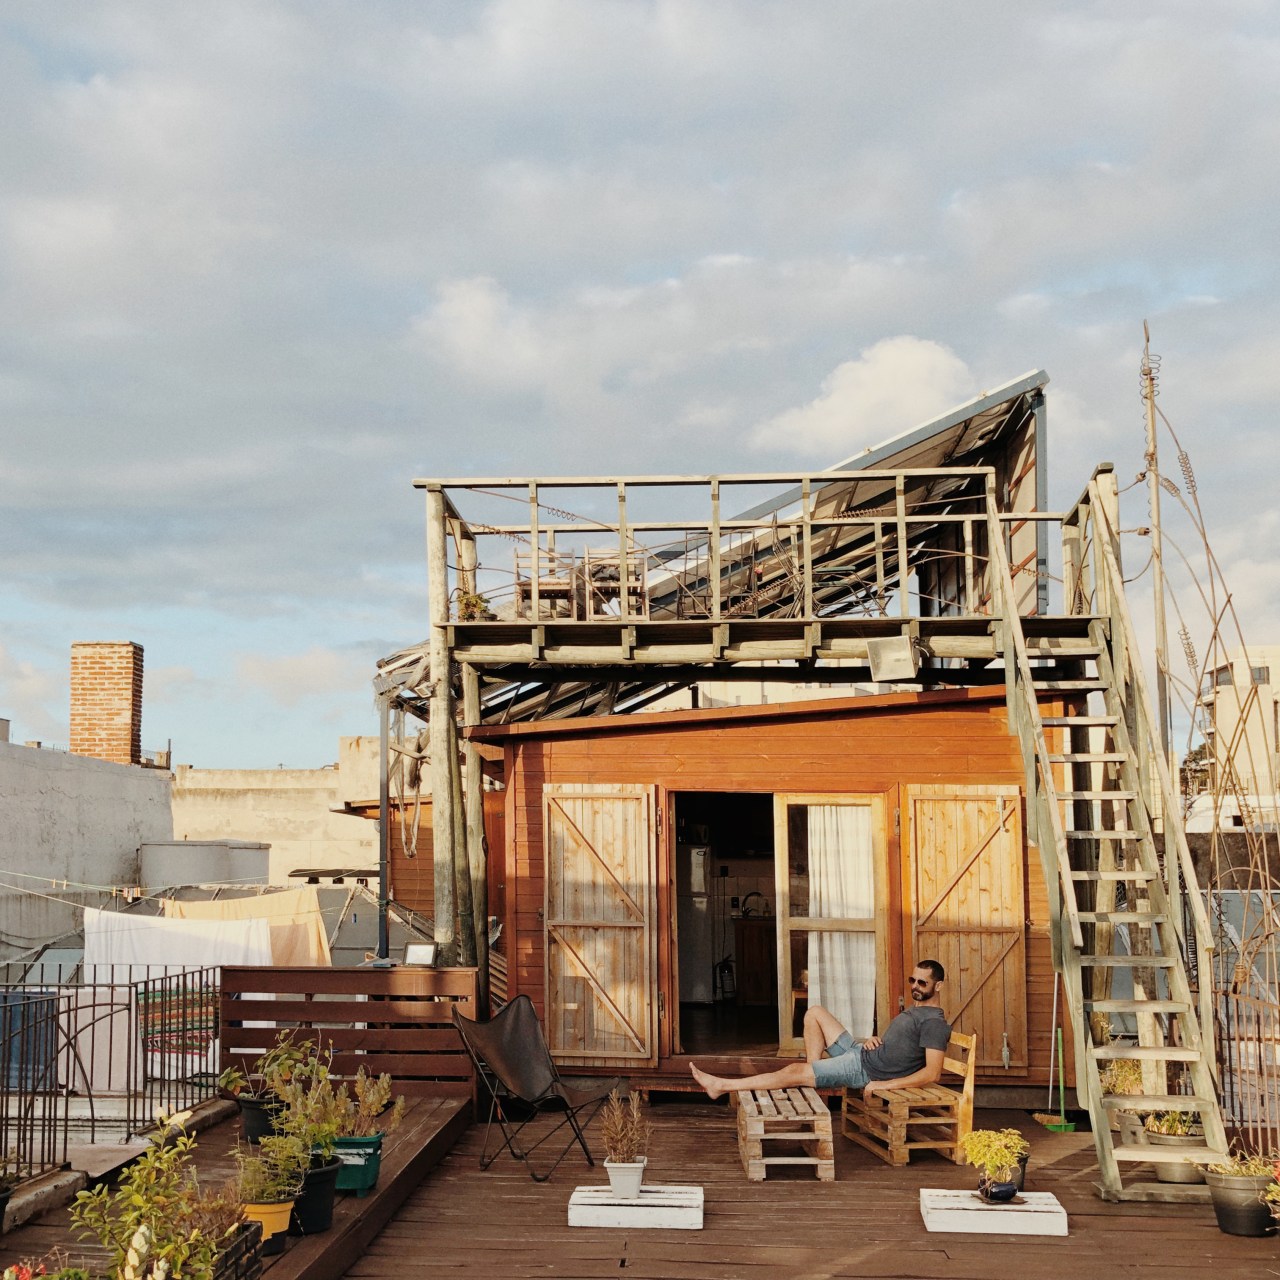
(842, 1067)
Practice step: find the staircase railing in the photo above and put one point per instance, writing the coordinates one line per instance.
(1092, 515)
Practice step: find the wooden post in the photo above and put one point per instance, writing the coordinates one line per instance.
(384, 819)
(473, 795)
(443, 756)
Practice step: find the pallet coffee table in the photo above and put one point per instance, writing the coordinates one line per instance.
(784, 1115)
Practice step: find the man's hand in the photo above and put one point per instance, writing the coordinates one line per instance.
(869, 1092)
(872, 1042)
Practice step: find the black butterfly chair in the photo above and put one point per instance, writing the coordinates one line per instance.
(514, 1066)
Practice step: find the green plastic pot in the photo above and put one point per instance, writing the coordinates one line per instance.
(361, 1161)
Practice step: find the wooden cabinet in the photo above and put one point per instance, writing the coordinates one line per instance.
(755, 951)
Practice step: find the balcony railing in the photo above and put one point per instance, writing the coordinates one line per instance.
(96, 1055)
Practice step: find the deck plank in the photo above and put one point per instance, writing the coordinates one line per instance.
(462, 1221)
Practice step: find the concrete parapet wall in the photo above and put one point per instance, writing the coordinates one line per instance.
(74, 820)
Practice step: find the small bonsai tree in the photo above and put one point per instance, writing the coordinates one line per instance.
(624, 1129)
(995, 1153)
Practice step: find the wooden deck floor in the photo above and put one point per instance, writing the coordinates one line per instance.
(499, 1223)
(430, 1128)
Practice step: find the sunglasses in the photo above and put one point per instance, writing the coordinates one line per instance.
(918, 982)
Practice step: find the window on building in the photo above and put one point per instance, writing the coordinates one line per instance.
(1221, 676)
(1260, 675)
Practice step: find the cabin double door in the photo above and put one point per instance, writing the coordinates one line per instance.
(865, 885)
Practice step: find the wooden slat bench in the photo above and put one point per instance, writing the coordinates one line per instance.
(784, 1115)
(929, 1117)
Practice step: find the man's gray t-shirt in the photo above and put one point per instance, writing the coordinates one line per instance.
(902, 1052)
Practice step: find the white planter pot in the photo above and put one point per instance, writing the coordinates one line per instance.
(625, 1178)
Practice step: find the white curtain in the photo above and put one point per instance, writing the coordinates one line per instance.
(842, 966)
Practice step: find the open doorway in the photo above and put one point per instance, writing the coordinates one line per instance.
(726, 916)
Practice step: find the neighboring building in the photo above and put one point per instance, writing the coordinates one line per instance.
(1243, 698)
(71, 831)
(302, 813)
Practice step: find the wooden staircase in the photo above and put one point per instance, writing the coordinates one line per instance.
(1096, 783)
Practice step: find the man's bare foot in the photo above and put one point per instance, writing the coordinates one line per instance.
(714, 1086)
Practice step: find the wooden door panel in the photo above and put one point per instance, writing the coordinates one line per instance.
(600, 943)
(968, 910)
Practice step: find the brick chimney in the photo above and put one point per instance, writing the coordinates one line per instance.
(106, 700)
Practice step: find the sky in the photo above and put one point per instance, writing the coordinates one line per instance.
(262, 264)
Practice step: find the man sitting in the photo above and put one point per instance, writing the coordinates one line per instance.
(909, 1053)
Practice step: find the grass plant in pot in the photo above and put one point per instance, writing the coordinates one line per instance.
(625, 1133)
(1239, 1188)
(310, 1111)
(1123, 1077)
(999, 1155)
(256, 1091)
(267, 1183)
(157, 1221)
(1175, 1129)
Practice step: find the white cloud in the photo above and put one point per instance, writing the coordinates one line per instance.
(28, 696)
(893, 385)
(317, 673)
(266, 261)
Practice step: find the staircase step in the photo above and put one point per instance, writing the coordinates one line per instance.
(1091, 757)
(1084, 722)
(1144, 1052)
(1052, 649)
(1097, 795)
(1154, 1102)
(1146, 918)
(1121, 962)
(1068, 686)
(1100, 835)
(1138, 1006)
(1113, 875)
(1152, 1154)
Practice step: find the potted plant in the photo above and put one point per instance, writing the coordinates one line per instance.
(1124, 1076)
(999, 1155)
(364, 1115)
(625, 1133)
(1175, 1129)
(1239, 1188)
(156, 1221)
(1271, 1194)
(267, 1183)
(310, 1112)
(55, 1265)
(256, 1091)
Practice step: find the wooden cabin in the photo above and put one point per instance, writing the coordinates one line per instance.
(1005, 834)
(634, 843)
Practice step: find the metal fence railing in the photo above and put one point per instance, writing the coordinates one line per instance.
(96, 1054)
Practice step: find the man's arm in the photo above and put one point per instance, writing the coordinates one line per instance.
(930, 1073)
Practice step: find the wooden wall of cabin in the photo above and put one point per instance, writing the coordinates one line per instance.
(874, 751)
(412, 874)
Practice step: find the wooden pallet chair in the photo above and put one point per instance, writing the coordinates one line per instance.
(931, 1117)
